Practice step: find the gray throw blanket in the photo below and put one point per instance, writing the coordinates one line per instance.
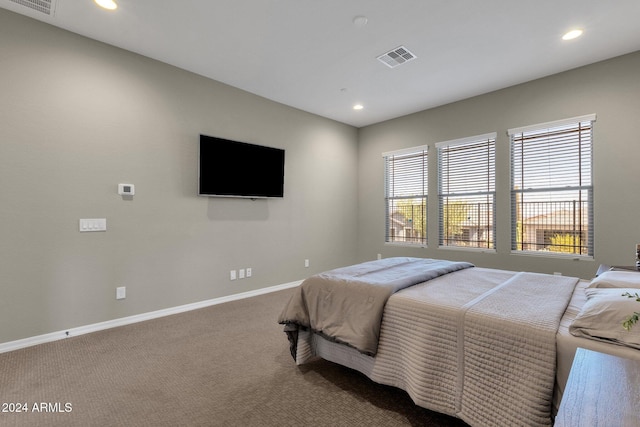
(346, 304)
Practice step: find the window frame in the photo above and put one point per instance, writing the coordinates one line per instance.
(487, 224)
(583, 188)
(417, 233)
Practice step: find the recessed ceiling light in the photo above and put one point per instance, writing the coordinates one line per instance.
(107, 4)
(358, 107)
(573, 34)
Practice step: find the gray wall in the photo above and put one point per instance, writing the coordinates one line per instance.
(610, 89)
(77, 117)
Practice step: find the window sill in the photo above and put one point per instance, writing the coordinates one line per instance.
(407, 244)
(572, 257)
(467, 249)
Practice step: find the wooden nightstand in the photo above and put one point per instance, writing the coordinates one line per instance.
(602, 390)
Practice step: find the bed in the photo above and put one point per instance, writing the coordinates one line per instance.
(488, 346)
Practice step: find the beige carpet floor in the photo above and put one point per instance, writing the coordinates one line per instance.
(225, 365)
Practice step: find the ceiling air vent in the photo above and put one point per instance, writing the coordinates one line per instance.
(397, 56)
(47, 7)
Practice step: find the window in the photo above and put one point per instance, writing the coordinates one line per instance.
(551, 187)
(406, 196)
(466, 191)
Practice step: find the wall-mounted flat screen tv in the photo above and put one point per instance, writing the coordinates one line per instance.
(239, 169)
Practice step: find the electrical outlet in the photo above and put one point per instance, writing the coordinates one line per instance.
(95, 224)
(232, 275)
(241, 273)
(249, 272)
(379, 256)
(306, 263)
(121, 292)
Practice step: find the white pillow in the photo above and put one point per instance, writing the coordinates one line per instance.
(602, 316)
(616, 279)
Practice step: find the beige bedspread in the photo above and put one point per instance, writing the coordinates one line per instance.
(508, 346)
(478, 344)
(346, 304)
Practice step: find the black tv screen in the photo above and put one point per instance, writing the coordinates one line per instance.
(239, 169)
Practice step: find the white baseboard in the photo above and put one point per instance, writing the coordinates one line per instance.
(81, 330)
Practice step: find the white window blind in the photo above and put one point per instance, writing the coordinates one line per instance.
(467, 192)
(406, 196)
(551, 187)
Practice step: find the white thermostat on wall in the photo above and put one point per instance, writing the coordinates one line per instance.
(126, 189)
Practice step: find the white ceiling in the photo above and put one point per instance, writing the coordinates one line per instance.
(310, 55)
